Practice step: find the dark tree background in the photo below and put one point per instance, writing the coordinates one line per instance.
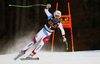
(17, 22)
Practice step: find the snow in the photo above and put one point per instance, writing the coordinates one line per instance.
(77, 57)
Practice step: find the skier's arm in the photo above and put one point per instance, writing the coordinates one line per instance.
(48, 13)
(63, 32)
(62, 29)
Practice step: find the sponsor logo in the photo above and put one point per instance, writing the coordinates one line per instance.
(52, 24)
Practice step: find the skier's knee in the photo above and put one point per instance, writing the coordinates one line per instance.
(34, 39)
(46, 39)
(41, 43)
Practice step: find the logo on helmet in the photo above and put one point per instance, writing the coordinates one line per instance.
(57, 13)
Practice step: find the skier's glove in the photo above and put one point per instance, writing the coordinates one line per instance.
(64, 39)
(48, 5)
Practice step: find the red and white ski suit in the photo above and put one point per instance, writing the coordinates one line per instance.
(44, 34)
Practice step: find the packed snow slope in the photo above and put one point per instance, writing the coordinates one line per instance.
(79, 57)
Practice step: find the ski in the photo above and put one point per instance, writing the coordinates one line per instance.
(29, 58)
(19, 55)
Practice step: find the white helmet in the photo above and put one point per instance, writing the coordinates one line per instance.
(57, 12)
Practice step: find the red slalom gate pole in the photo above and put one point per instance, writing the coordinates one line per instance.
(71, 27)
(53, 32)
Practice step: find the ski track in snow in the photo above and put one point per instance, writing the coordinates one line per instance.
(79, 57)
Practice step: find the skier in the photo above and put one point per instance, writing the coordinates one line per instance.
(44, 34)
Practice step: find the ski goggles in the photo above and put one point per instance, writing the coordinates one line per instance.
(57, 16)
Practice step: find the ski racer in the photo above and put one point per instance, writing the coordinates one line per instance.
(44, 34)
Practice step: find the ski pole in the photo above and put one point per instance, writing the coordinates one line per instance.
(66, 45)
(27, 6)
